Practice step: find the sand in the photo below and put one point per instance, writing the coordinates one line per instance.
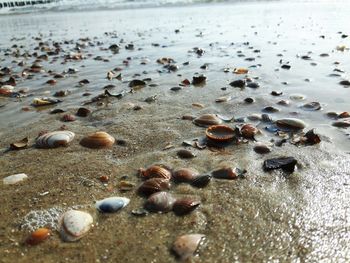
(265, 217)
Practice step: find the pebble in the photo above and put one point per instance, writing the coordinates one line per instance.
(14, 179)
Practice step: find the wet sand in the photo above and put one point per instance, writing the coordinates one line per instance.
(265, 217)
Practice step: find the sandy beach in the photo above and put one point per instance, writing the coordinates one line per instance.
(294, 52)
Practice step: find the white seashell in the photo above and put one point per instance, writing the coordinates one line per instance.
(54, 139)
(112, 204)
(7, 87)
(185, 246)
(13, 179)
(74, 225)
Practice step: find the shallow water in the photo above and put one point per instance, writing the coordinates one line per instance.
(301, 218)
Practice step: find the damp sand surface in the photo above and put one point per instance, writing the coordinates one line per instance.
(267, 216)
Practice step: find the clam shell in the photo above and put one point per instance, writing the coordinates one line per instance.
(155, 171)
(112, 204)
(220, 133)
(154, 185)
(291, 123)
(228, 173)
(54, 139)
(207, 120)
(261, 148)
(185, 246)
(68, 118)
(201, 180)
(185, 154)
(249, 131)
(13, 179)
(83, 112)
(38, 236)
(74, 225)
(185, 206)
(160, 202)
(185, 175)
(341, 124)
(98, 140)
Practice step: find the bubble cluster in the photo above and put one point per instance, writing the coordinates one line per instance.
(42, 218)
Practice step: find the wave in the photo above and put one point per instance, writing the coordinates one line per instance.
(23, 6)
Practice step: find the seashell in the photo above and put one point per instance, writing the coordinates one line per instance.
(6, 90)
(228, 173)
(74, 225)
(185, 154)
(332, 115)
(199, 80)
(297, 97)
(68, 118)
(54, 139)
(341, 124)
(291, 123)
(37, 102)
(249, 100)
(261, 148)
(155, 171)
(276, 93)
(154, 185)
(238, 83)
(283, 102)
(19, 144)
(186, 246)
(160, 202)
(270, 109)
(249, 131)
(285, 163)
(312, 106)
(83, 112)
(51, 82)
(55, 111)
(344, 114)
(61, 93)
(98, 140)
(223, 99)
(254, 117)
(220, 133)
(185, 206)
(201, 180)
(139, 212)
(345, 82)
(240, 71)
(38, 236)
(125, 186)
(266, 118)
(185, 175)
(207, 120)
(111, 204)
(13, 179)
(253, 85)
(136, 82)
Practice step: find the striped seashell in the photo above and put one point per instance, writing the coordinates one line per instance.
(185, 206)
(155, 171)
(185, 175)
(54, 139)
(98, 140)
(74, 225)
(153, 185)
(160, 202)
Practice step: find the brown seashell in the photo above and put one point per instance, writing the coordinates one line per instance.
(220, 133)
(20, 144)
(154, 185)
(344, 114)
(185, 154)
(155, 171)
(51, 81)
(160, 202)
(98, 140)
(186, 246)
(261, 148)
(185, 175)
(104, 178)
(68, 118)
(83, 112)
(207, 120)
(38, 236)
(201, 180)
(249, 131)
(228, 173)
(185, 206)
